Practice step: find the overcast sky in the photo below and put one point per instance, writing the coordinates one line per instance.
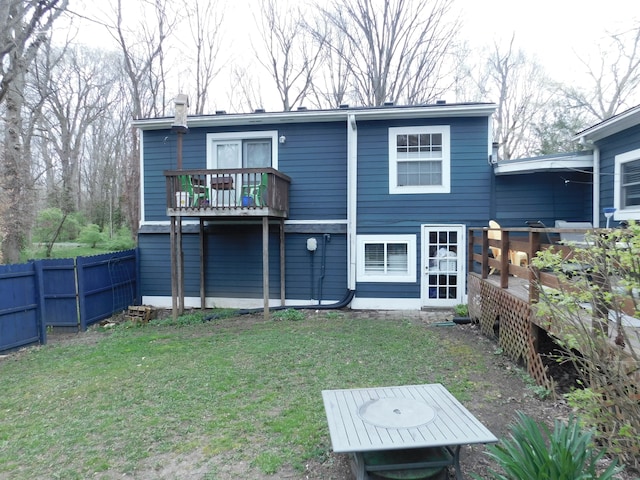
(554, 32)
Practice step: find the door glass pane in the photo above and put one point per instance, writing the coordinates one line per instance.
(227, 155)
(257, 153)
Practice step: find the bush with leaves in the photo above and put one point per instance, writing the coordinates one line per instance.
(91, 235)
(534, 451)
(122, 240)
(590, 312)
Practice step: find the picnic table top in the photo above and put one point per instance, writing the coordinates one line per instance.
(400, 417)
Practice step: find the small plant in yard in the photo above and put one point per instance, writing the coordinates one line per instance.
(461, 310)
(534, 451)
(290, 314)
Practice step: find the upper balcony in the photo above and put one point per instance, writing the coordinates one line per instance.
(231, 192)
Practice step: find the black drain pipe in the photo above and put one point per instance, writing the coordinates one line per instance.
(346, 300)
(325, 239)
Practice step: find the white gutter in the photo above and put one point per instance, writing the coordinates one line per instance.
(596, 187)
(352, 199)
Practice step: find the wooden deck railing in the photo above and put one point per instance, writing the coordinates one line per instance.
(522, 244)
(227, 192)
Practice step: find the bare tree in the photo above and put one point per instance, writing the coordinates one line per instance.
(292, 53)
(72, 107)
(205, 24)
(614, 77)
(331, 88)
(142, 49)
(395, 50)
(245, 94)
(23, 29)
(518, 85)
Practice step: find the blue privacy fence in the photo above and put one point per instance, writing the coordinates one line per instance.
(71, 293)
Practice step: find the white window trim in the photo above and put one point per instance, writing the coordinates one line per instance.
(410, 276)
(225, 136)
(632, 213)
(445, 131)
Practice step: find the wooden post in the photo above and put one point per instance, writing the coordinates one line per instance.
(180, 271)
(504, 259)
(485, 253)
(265, 266)
(282, 264)
(203, 293)
(174, 268)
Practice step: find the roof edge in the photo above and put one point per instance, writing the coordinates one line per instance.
(306, 116)
(622, 121)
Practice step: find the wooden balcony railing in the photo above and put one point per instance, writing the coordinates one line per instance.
(227, 192)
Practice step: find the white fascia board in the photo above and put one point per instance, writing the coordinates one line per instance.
(514, 167)
(307, 116)
(611, 126)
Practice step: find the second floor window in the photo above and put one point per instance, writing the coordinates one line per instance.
(419, 159)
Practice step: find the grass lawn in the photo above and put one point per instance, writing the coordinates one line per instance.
(237, 388)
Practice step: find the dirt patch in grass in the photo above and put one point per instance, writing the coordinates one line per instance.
(497, 393)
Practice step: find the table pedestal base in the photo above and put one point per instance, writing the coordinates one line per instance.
(415, 463)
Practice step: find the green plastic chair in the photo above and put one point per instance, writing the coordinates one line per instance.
(196, 188)
(253, 194)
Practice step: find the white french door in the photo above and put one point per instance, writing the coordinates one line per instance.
(442, 265)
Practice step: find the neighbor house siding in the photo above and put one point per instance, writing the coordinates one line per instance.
(616, 144)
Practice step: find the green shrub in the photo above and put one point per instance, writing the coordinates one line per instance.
(91, 235)
(534, 451)
(122, 240)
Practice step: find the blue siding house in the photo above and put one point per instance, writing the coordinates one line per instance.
(306, 208)
(616, 166)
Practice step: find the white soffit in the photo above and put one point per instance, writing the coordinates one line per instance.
(547, 163)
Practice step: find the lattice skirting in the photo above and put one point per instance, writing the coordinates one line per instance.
(508, 318)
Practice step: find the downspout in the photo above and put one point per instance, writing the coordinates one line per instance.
(352, 199)
(596, 187)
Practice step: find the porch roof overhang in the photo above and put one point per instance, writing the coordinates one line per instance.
(547, 163)
(341, 114)
(627, 119)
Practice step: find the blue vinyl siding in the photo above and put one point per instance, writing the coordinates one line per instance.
(314, 156)
(234, 264)
(622, 142)
(544, 196)
(468, 202)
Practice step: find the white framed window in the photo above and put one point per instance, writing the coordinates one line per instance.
(386, 258)
(420, 159)
(626, 193)
(242, 149)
